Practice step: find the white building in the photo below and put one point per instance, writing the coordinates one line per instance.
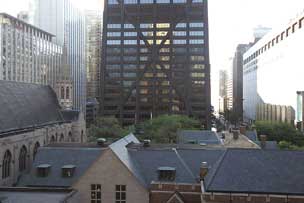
(273, 68)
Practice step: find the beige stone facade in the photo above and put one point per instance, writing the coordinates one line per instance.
(109, 171)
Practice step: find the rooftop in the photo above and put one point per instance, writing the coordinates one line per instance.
(198, 137)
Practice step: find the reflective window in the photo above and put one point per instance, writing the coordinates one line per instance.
(143, 50)
(179, 41)
(163, 25)
(130, 34)
(114, 26)
(179, 33)
(196, 24)
(130, 50)
(129, 66)
(200, 75)
(130, 1)
(113, 42)
(113, 34)
(162, 1)
(164, 50)
(146, 1)
(146, 25)
(130, 41)
(196, 33)
(197, 50)
(147, 34)
(112, 2)
(128, 25)
(161, 33)
(181, 25)
(179, 50)
(129, 75)
(196, 41)
(198, 67)
(197, 58)
(129, 58)
(197, 1)
(179, 1)
(127, 83)
(144, 58)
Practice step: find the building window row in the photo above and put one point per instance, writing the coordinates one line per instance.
(280, 37)
(115, 2)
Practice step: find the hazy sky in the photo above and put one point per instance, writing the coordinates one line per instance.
(230, 21)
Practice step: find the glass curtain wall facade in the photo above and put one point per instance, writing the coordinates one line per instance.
(67, 23)
(273, 69)
(27, 54)
(156, 59)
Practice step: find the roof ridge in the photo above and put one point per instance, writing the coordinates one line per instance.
(184, 163)
(217, 165)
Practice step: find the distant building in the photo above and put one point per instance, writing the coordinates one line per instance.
(275, 113)
(92, 111)
(130, 171)
(156, 60)
(223, 105)
(273, 60)
(67, 23)
(300, 110)
(31, 117)
(93, 52)
(27, 53)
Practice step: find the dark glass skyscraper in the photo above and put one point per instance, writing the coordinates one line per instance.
(156, 59)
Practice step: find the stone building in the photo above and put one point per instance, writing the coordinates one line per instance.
(30, 117)
(130, 171)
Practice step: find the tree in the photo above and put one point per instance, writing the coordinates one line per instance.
(107, 127)
(163, 129)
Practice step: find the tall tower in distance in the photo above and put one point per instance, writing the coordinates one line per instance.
(156, 60)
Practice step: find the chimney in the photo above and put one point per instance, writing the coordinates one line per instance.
(146, 143)
(263, 139)
(203, 170)
(101, 141)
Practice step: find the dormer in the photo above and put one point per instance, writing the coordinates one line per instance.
(68, 171)
(43, 170)
(166, 173)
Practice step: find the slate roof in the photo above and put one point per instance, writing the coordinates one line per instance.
(24, 105)
(187, 167)
(259, 171)
(198, 136)
(251, 135)
(82, 158)
(70, 115)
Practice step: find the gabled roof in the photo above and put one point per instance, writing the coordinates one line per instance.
(56, 157)
(259, 171)
(24, 105)
(198, 136)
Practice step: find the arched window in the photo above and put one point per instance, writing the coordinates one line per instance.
(22, 158)
(62, 93)
(52, 139)
(6, 164)
(37, 145)
(70, 137)
(67, 93)
(61, 139)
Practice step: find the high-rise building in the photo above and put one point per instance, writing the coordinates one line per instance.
(237, 77)
(156, 59)
(67, 23)
(273, 68)
(27, 53)
(300, 110)
(223, 91)
(93, 52)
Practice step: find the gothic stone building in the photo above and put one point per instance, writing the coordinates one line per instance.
(30, 117)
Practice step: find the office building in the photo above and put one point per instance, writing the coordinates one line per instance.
(223, 91)
(300, 110)
(27, 53)
(93, 52)
(156, 60)
(273, 68)
(67, 23)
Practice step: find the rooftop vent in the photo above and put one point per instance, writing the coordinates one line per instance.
(203, 170)
(147, 143)
(43, 170)
(166, 173)
(101, 141)
(68, 171)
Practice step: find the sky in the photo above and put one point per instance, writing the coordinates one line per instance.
(231, 22)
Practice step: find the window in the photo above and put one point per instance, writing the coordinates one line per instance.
(22, 159)
(166, 173)
(130, 34)
(199, 75)
(197, 58)
(68, 171)
(179, 41)
(179, 1)
(6, 164)
(179, 33)
(113, 50)
(130, 41)
(198, 66)
(43, 170)
(146, 25)
(129, 26)
(181, 25)
(130, 50)
(120, 194)
(111, 2)
(114, 26)
(162, 1)
(113, 42)
(196, 33)
(196, 41)
(62, 93)
(196, 24)
(113, 34)
(147, 34)
(68, 93)
(163, 25)
(197, 1)
(146, 1)
(164, 50)
(130, 1)
(95, 193)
